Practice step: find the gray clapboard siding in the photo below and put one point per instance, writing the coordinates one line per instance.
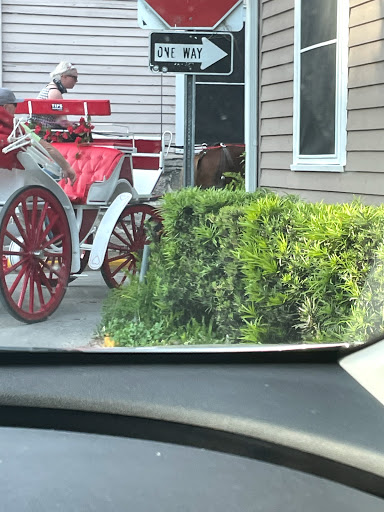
(366, 53)
(277, 57)
(276, 91)
(271, 127)
(366, 12)
(277, 109)
(72, 9)
(76, 40)
(330, 197)
(347, 182)
(278, 74)
(277, 40)
(276, 86)
(270, 142)
(355, 3)
(279, 22)
(366, 119)
(366, 33)
(87, 62)
(366, 97)
(57, 20)
(271, 8)
(366, 140)
(66, 50)
(275, 160)
(370, 161)
(103, 39)
(369, 74)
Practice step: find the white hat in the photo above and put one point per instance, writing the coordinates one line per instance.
(62, 68)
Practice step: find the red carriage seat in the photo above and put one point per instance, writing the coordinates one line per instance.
(92, 164)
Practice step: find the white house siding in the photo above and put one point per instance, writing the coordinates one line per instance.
(364, 171)
(109, 49)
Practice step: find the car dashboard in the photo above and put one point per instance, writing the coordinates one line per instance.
(188, 430)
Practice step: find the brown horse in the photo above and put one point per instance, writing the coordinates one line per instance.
(213, 162)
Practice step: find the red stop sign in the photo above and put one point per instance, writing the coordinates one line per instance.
(193, 13)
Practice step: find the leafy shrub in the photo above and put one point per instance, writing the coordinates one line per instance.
(200, 278)
(256, 267)
(306, 267)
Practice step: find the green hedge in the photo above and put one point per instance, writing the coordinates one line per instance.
(259, 268)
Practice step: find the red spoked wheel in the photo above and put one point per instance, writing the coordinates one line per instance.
(127, 242)
(35, 244)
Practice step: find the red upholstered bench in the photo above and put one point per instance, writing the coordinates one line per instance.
(92, 164)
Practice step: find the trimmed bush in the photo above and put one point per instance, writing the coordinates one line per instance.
(258, 268)
(306, 267)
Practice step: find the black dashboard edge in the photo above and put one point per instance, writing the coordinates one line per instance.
(315, 355)
(192, 436)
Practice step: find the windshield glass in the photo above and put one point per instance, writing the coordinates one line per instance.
(191, 173)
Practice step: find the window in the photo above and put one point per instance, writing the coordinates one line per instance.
(320, 85)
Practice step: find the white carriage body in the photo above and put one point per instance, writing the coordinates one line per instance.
(133, 166)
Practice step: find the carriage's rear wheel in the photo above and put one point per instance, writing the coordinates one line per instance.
(127, 242)
(35, 245)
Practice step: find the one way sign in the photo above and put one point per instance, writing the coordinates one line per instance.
(192, 53)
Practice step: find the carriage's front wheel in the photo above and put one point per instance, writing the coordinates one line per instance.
(35, 245)
(127, 242)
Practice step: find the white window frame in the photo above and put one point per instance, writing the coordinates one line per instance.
(335, 162)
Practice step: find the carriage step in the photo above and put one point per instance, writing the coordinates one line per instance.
(79, 275)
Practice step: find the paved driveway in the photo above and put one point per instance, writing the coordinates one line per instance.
(72, 325)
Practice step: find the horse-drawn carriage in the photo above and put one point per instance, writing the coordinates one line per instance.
(50, 230)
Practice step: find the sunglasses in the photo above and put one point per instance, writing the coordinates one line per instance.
(74, 77)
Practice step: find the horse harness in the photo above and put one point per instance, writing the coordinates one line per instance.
(225, 163)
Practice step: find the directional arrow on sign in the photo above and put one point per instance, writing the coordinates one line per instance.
(191, 52)
(206, 53)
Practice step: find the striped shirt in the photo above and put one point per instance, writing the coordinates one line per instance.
(45, 120)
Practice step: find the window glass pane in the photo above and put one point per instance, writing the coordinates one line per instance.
(219, 114)
(317, 101)
(318, 21)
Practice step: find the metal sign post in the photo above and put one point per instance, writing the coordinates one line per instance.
(189, 130)
(191, 53)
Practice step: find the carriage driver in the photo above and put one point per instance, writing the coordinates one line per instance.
(8, 104)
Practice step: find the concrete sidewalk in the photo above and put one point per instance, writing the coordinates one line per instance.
(72, 325)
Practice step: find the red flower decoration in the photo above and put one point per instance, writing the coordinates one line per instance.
(77, 132)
